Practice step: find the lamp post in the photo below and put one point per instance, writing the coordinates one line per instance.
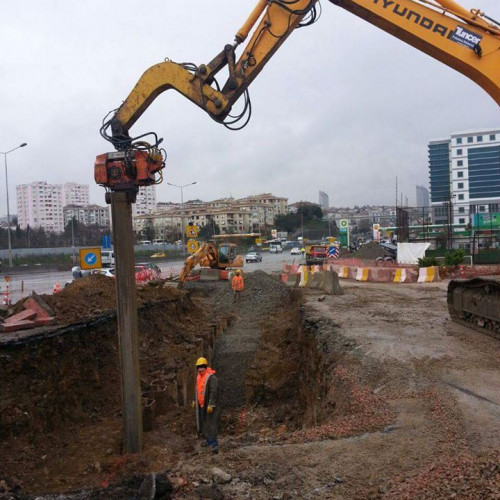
(7, 191)
(182, 207)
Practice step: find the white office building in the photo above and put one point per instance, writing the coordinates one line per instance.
(465, 173)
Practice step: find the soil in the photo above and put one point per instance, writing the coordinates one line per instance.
(371, 394)
(370, 251)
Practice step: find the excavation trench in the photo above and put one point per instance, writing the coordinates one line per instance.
(284, 376)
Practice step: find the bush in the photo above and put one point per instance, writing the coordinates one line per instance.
(454, 258)
(428, 262)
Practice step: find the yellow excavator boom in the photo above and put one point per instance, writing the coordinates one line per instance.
(467, 41)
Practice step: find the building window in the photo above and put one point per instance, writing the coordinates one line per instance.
(460, 163)
(470, 139)
(461, 210)
(460, 174)
(459, 151)
(493, 137)
(460, 196)
(460, 185)
(461, 220)
(479, 138)
(459, 140)
(482, 208)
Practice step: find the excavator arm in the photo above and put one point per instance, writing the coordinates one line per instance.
(466, 41)
(206, 254)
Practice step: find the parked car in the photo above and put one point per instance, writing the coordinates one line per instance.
(143, 273)
(295, 251)
(108, 271)
(253, 257)
(156, 271)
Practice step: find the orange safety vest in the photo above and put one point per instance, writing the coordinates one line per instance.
(237, 283)
(201, 384)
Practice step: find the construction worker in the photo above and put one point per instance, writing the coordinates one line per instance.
(237, 284)
(205, 402)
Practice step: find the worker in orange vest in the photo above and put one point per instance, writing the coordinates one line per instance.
(205, 402)
(237, 285)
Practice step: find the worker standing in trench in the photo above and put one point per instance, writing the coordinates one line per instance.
(237, 284)
(207, 409)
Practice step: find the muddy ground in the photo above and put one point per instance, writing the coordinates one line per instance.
(372, 394)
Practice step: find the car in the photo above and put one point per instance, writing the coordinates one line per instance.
(253, 257)
(295, 251)
(155, 270)
(108, 271)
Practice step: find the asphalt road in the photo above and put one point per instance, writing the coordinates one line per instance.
(22, 284)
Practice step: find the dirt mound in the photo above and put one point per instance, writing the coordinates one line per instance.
(370, 251)
(92, 296)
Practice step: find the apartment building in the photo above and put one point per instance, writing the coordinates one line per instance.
(231, 216)
(464, 172)
(76, 194)
(144, 205)
(87, 215)
(40, 205)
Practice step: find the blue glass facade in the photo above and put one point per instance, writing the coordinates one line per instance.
(484, 172)
(439, 171)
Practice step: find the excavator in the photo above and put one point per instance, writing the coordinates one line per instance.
(213, 257)
(465, 40)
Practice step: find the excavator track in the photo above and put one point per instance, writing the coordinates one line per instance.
(476, 303)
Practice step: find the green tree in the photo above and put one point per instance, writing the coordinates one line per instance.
(207, 232)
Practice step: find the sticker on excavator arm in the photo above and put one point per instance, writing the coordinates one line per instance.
(192, 246)
(90, 258)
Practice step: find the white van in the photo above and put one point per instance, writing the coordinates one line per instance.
(145, 242)
(107, 258)
(275, 247)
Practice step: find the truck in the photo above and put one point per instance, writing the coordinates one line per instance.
(316, 254)
(107, 258)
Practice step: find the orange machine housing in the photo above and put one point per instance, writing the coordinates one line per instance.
(122, 170)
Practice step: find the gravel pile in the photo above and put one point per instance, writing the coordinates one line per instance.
(370, 251)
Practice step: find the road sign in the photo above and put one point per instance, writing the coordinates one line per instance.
(90, 258)
(191, 231)
(258, 242)
(192, 246)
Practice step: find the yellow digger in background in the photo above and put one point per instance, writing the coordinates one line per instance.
(210, 256)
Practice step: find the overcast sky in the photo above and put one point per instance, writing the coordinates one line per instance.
(342, 106)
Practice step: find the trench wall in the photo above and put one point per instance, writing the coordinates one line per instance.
(71, 374)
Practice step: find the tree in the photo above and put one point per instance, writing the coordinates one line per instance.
(207, 232)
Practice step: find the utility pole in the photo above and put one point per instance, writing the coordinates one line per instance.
(182, 209)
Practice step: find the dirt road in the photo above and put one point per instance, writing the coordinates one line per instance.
(372, 394)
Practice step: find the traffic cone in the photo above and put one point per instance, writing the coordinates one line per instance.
(56, 287)
(5, 300)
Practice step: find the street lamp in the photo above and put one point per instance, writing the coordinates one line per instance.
(182, 207)
(7, 190)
